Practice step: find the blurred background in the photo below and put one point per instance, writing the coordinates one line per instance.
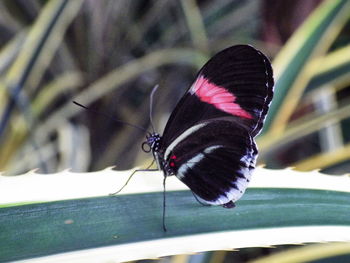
(108, 55)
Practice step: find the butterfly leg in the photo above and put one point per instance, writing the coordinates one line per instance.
(135, 171)
(229, 205)
(164, 202)
(199, 201)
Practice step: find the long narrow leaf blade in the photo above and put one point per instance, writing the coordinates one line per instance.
(56, 227)
(292, 59)
(283, 206)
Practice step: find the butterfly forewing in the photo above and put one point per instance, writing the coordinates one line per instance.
(237, 81)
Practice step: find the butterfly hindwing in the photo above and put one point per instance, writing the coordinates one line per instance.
(214, 160)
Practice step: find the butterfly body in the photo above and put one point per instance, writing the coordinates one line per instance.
(208, 142)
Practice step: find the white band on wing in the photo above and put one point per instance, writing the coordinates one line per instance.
(183, 136)
(195, 160)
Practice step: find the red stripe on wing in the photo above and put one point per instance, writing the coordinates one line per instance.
(218, 96)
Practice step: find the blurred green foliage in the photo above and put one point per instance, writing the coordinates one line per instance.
(109, 54)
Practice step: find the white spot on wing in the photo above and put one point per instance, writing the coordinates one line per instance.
(212, 148)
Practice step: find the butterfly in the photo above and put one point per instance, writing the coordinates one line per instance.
(208, 142)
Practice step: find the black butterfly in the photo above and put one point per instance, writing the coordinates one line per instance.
(208, 142)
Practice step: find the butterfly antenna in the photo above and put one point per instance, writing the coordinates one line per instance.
(111, 117)
(151, 106)
(164, 203)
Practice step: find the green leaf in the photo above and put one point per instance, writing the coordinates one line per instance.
(56, 227)
(110, 226)
(332, 68)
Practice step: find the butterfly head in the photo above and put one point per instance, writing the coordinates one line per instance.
(152, 142)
